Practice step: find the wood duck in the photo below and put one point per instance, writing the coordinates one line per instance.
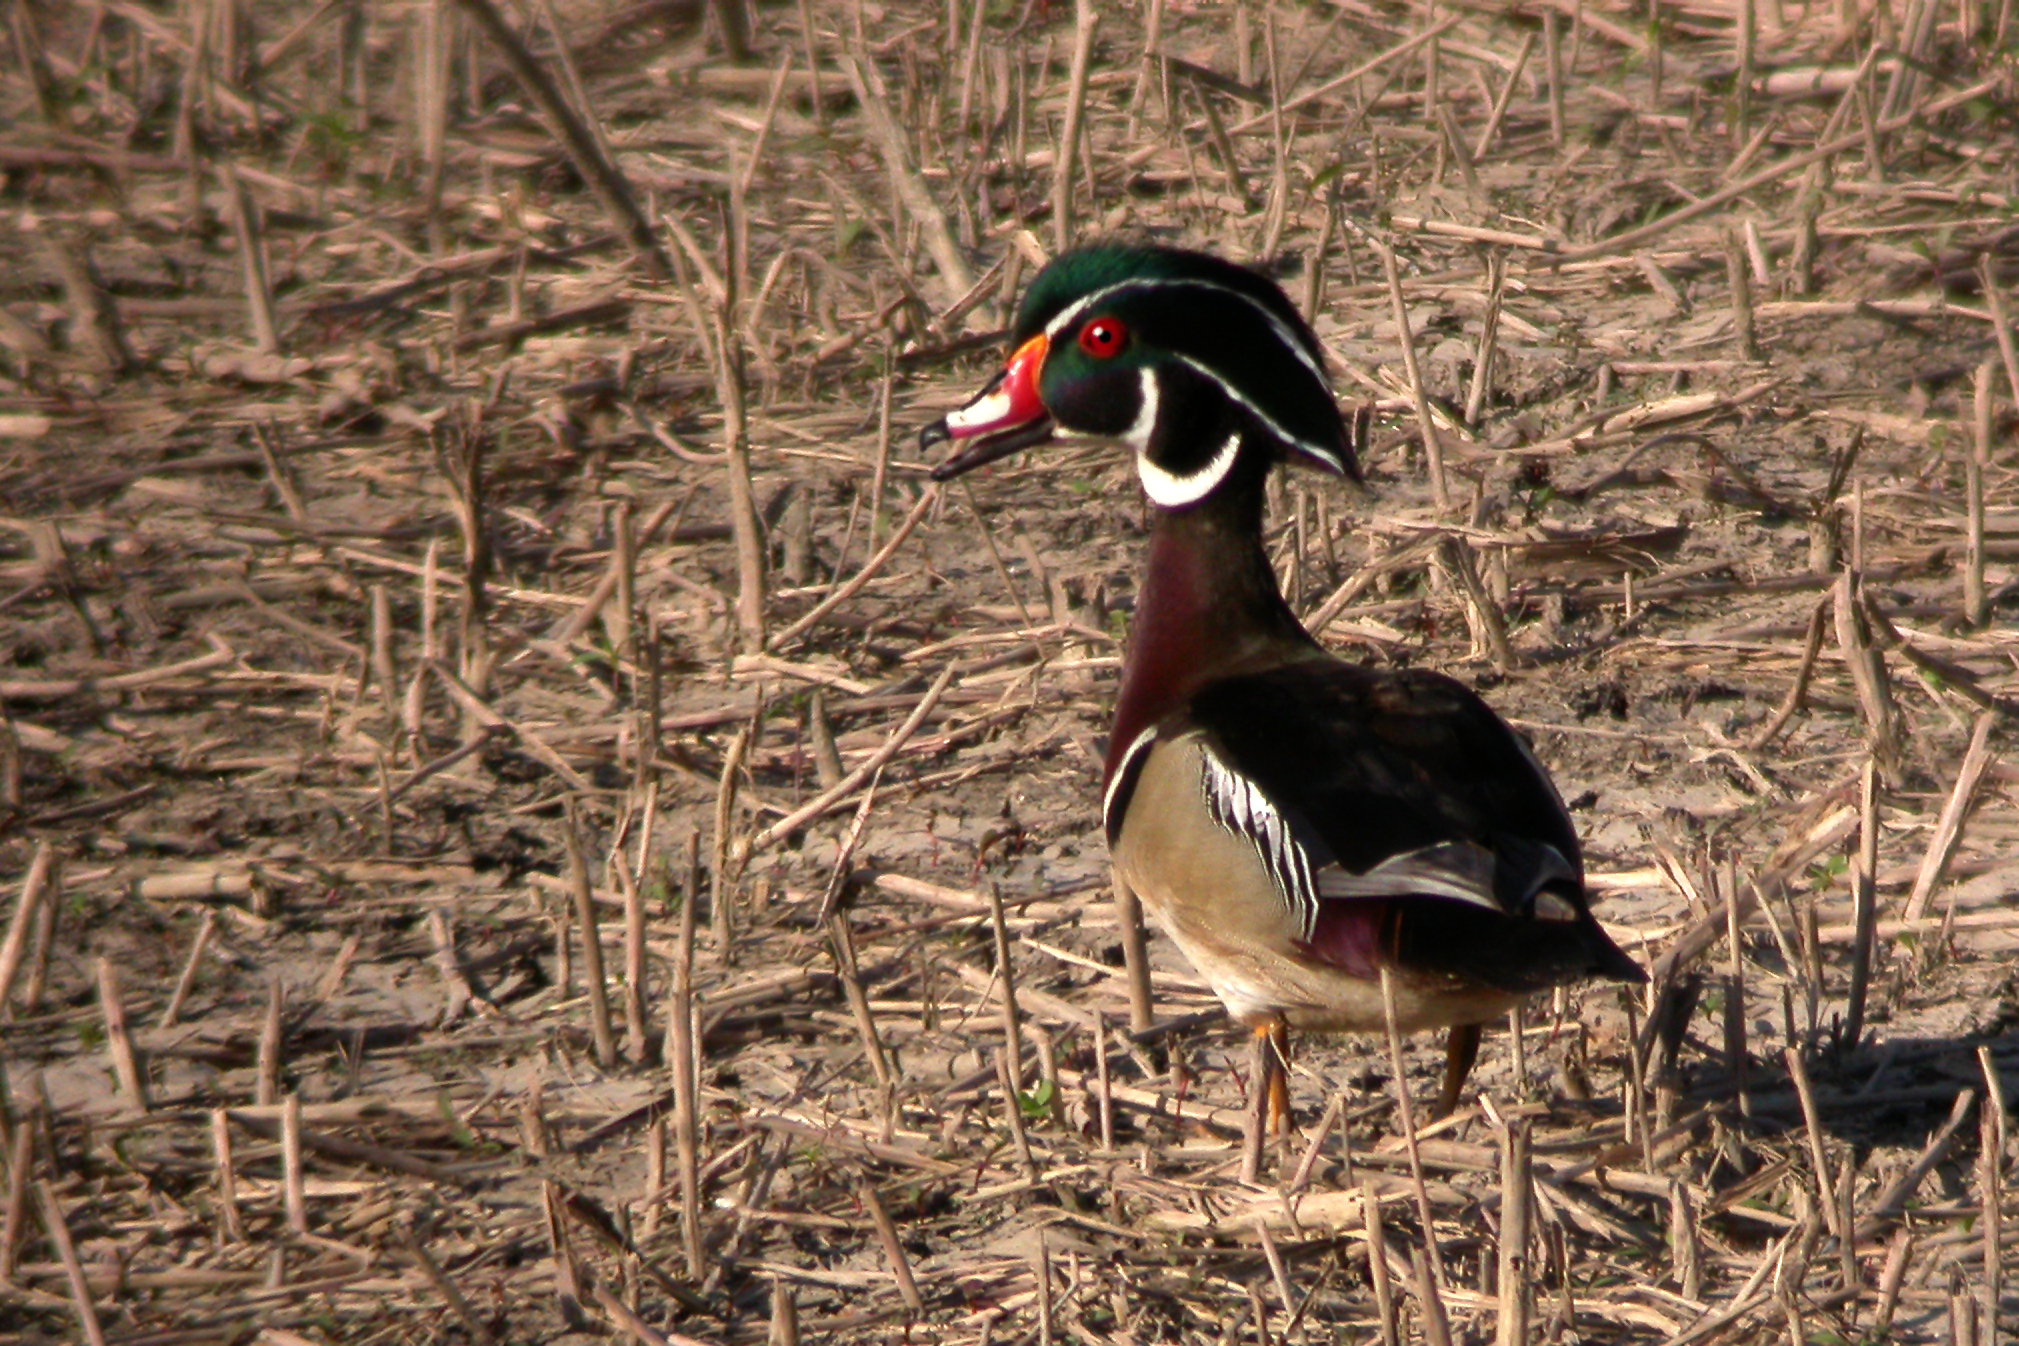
(1296, 823)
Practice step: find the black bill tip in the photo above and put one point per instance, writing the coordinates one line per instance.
(982, 449)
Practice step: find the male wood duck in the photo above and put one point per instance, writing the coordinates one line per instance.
(1297, 823)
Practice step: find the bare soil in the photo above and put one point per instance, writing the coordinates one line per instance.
(373, 609)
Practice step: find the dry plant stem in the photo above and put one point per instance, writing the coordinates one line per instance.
(1684, 1242)
(655, 1179)
(42, 884)
(1489, 331)
(1812, 646)
(1005, 972)
(267, 1070)
(1105, 1104)
(1505, 97)
(606, 587)
(1868, 675)
(1430, 1294)
(1955, 812)
(1515, 1180)
(1334, 1115)
(294, 1192)
(1406, 1119)
(893, 1247)
(1013, 1114)
(637, 1045)
(1738, 275)
(870, 569)
(683, 1047)
(1892, 1276)
(995, 555)
(784, 1329)
(1395, 53)
(1718, 200)
(1995, 1092)
(1433, 446)
(14, 1216)
(73, 1269)
(1892, 1202)
(118, 1040)
(1864, 903)
(385, 666)
(1377, 1264)
(1314, 277)
(617, 615)
(1067, 160)
(601, 1033)
(1994, 301)
(1991, 1158)
(842, 940)
(1483, 615)
(226, 1179)
(906, 185)
(743, 520)
(1454, 141)
(1552, 56)
(1812, 1120)
(827, 799)
(1990, 1188)
(625, 1317)
(1976, 461)
(580, 144)
(252, 260)
(724, 862)
(446, 1288)
(1745, 31)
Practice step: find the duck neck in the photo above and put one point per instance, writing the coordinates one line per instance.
(1209, 606)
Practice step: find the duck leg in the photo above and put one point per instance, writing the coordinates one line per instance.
(1279, 1078)
(1461, 1049)
(1268, 1094)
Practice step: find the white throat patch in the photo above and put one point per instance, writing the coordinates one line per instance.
(1169, 490)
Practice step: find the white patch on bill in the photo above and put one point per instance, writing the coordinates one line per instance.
(983, 412)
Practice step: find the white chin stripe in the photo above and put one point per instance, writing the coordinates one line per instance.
(982, 413)
(1168, 490)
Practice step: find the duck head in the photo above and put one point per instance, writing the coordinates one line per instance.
(1205, 370)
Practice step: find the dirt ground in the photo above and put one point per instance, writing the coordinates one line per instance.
(424, 526)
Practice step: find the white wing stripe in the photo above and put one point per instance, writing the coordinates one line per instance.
(1238, 805)
(1137, 746)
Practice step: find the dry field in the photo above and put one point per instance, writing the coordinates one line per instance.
(524, 815)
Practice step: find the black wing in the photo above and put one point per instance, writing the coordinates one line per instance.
(1411, 823)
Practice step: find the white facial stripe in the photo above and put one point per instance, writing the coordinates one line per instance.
(1077, 307)
(1288, 337)
(982, 413)
(1171, 491)
(1138, 435)
(1284, 332)
(1234, 394)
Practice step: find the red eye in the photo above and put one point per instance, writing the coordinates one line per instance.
(1103, 337)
